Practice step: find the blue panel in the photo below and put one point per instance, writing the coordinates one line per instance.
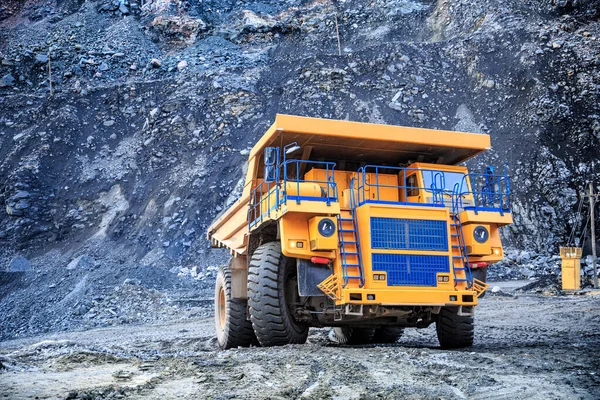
(408, 234)
(410, 269)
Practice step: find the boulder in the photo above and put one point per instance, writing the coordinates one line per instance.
(7, 81)
(41, 58)
(155, 63)
(19, 264)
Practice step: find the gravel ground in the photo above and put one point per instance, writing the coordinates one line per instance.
(526, 347)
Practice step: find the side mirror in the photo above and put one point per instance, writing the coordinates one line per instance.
(271, 161)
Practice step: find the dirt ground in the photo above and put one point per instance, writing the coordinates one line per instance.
(526, 347)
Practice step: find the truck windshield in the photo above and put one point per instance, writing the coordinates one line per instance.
(451, 178)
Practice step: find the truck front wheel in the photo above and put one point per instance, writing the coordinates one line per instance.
(388, 334)
(454, 331)
(272, 291)
(353, 336)
(232, 326)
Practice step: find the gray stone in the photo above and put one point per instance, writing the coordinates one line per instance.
(21, 194)
(80, 309)
(41, 58)
(182, 65)
(110, 122)
(21, 205)
(103, 67)
(7, 80)
(82, 262)
(13, 211)
(489, 83)
(155, 63)
(123, 9)
(19, 264)
(528, 272)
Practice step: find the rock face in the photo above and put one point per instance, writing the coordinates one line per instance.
(145, 137)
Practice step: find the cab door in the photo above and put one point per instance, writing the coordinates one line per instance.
(411, 193)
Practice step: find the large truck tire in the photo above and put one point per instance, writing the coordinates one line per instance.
(454, 331)
(231, 322)
(353, 336)
(387, 334)
(272, 287)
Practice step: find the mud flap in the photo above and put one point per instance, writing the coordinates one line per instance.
(309, 276)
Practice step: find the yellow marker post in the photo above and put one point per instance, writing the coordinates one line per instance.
(571, 267)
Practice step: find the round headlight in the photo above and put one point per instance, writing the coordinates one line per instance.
(481, 234)
(326, 227)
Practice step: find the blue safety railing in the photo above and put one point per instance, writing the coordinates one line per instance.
(268, 197)
(437, 186)
(294, 167)
(486, 192)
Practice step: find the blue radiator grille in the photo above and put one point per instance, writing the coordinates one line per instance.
(410, 269)
(408, 234)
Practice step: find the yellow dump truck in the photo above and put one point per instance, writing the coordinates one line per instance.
(366, 228)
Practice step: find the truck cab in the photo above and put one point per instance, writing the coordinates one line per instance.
(366, 228)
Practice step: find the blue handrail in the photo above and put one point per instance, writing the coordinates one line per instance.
(331, 193)
(364, 185)
(264, 191)
(490, 192)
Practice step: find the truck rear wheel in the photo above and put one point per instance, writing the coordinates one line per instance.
(232, 326)
(272, 289)
(388, 334)
(353, 336)
(454, 331)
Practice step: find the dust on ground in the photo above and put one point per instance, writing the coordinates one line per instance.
(526, 346)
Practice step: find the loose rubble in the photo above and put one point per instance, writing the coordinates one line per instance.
(526, 347)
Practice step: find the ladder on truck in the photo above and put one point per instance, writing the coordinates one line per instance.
(349, 239)
(460, 257)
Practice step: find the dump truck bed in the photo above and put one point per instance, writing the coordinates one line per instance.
(346, 143)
